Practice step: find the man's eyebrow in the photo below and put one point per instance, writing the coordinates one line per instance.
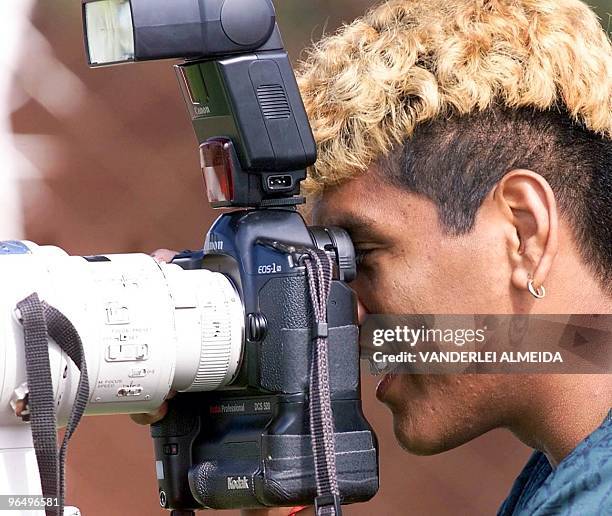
(358, 226)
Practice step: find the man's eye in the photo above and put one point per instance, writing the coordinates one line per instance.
(361, 255)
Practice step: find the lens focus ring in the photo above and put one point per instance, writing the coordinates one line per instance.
(210, 329)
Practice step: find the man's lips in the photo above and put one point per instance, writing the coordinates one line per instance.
(383, 385)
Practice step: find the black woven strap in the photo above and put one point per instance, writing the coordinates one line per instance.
(41, 404)
(41, 321)
(319, 270)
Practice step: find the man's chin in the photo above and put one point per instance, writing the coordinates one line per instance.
(419, 441)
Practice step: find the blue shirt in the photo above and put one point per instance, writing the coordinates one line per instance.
(581, 485)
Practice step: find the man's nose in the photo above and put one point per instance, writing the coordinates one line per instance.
(361, 312)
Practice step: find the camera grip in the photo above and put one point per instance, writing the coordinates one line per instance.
(173, 439)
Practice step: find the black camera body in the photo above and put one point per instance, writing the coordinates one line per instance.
(250, 445)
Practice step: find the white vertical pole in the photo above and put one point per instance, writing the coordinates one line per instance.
(14, 18)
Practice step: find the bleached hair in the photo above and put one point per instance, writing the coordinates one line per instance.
(367, 87)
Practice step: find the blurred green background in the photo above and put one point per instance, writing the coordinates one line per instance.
(603, 8)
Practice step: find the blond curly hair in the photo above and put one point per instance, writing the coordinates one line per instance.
(367, 87)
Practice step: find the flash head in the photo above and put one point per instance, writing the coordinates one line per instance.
(121, 31)
(237, 81)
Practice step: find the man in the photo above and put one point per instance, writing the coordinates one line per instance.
(466, 145)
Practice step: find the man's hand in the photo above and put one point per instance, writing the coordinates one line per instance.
(153, 417)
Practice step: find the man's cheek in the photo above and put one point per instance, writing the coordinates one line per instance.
(385, 286)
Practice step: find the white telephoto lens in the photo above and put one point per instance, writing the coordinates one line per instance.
(110, 31)
(147, 328)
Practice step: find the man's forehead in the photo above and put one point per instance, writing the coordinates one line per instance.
(375, 206)
(342, 203)
(364, 196)
(331, 214)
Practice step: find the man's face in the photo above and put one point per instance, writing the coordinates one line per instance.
(410, 264)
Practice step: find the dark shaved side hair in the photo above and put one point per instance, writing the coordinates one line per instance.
(457, 161)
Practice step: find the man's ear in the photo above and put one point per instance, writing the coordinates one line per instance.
(528, 203)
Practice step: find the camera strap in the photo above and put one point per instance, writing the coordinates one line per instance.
(327, 503)
(40, 322)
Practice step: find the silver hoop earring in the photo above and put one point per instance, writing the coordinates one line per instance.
(538, 293)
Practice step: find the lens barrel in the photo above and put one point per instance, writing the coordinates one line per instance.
(146, 327)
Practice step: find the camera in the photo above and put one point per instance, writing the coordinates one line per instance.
(257, 331)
